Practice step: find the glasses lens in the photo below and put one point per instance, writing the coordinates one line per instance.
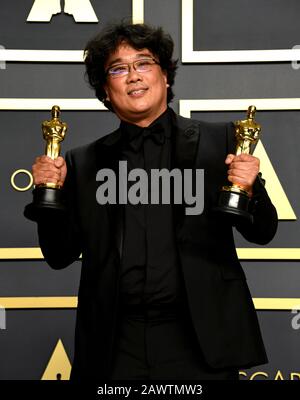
(144, 65)
(118, 70)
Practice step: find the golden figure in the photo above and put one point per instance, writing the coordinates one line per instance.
(54, 132)
(247, 132)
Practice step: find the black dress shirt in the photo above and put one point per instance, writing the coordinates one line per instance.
(150, 272)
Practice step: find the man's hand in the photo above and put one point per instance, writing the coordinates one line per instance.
(242, 170)
(46, 170)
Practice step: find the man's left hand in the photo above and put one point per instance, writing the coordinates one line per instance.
(242, 170)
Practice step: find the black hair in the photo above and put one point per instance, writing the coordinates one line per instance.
(138, 36)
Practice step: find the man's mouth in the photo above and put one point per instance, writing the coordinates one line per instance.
(137, 92)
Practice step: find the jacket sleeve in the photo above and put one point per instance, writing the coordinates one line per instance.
(264, 225)
(58, 232)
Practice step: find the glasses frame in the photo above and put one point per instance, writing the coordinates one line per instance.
(129, 65)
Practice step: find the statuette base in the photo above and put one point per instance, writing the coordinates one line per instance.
(235, 204)
(45, 202)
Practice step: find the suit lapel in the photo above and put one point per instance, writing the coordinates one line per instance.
(185, 143)
(108, 154)
(185, 139)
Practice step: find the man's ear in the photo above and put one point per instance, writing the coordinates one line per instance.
(106, 91)
(166, 78)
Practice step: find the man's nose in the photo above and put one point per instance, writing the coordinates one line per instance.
(133, 75)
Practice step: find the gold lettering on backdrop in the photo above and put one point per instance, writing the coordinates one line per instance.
(278, 375)
(59, 366)
(259, 373)
(43, 10)
(15, 186)
(295, 374)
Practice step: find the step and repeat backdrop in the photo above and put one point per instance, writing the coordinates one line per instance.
(231, 54)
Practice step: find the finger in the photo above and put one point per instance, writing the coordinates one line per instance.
(63, 174)
(229, 158)
(46, 178)
(244, 166)
(43, 181)
(240, 181)
(61, 182)
(43, 168)
(49, 175)
(45, 159)
(246, 157)
(59, 162)
(242, 177)
(244, 173)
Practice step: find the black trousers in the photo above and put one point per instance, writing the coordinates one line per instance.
(161, 344)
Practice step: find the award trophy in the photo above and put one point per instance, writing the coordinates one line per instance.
(234, 199)
(48, 196)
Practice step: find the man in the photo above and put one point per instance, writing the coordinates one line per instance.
(162, 294)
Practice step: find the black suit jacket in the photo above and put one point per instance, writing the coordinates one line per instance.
(220, 303)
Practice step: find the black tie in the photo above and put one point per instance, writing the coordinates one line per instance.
(155, 132)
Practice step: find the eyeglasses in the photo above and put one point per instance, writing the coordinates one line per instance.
(141, 65)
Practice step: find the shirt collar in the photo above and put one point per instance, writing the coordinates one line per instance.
(131, 131)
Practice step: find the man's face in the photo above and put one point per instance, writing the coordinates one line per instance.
(138, 97)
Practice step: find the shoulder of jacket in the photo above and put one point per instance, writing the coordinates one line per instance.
(89, 148)
(185, 123)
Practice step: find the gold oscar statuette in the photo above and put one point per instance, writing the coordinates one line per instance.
(234, 199)
(47, 197)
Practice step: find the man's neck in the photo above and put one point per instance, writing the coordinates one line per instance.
(145, 122)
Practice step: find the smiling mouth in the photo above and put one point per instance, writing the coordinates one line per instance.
(137, 92)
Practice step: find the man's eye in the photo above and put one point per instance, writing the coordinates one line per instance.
(118, 69)
(144, 64)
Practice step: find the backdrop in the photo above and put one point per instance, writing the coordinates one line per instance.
(231, 54)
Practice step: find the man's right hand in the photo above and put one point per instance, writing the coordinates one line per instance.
(46, 170)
